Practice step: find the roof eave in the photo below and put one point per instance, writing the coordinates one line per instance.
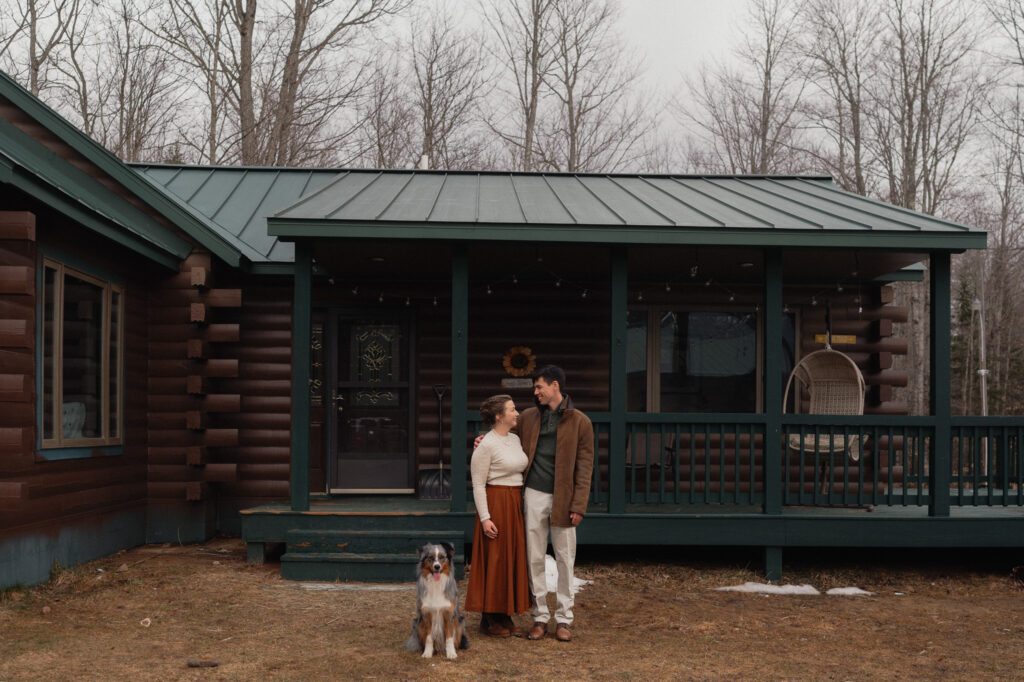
(146, 191)
(290, 229)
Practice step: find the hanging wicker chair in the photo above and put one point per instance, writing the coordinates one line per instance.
(835, 386)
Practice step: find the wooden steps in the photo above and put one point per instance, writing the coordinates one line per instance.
(362, 555)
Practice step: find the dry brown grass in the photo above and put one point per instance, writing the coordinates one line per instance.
(648, 618)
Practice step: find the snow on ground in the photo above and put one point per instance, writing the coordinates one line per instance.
(762, 588)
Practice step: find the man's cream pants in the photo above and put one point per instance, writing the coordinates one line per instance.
(537, 513)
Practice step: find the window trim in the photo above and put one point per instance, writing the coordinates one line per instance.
(655, 310)
(60, 447)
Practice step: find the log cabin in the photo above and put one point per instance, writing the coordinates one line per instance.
(295, 355)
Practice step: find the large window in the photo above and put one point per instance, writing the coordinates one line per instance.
(82, 342)
(697, 360)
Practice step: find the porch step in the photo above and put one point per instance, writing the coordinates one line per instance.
(362, 555)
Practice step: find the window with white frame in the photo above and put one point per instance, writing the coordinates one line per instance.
(82, 357)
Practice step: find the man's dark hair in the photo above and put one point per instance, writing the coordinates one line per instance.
(551, 374)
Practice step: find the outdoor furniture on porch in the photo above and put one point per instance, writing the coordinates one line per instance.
(835, 386)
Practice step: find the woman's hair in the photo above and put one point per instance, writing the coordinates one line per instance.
(493, 407)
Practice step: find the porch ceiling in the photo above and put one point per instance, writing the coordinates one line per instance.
(625, 209)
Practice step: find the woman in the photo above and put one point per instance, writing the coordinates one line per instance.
(498, 586)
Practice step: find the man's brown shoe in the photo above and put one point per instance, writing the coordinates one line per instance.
(538, 631)
(563, 633)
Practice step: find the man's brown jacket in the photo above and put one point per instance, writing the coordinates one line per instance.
(574, 459)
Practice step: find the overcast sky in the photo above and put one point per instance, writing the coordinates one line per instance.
(674, 36)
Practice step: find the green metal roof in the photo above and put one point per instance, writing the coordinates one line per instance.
(235, 201)
(627, 209)
(40, 169)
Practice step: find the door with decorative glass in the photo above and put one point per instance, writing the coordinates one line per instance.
(372, 414)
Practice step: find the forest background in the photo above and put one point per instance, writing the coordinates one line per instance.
(913, 102)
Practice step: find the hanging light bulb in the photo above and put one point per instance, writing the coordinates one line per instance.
(668, 287)
(515, 279)
(732, 298)
(558, 283)
(693, 271)
(330, 280)
(407, 302)
(860, 310)
(707, 283)
(489, 292)
(355, 290)
(584, 294)
(435, 301)
(640, 296)
(785, 308)
(814, 300)
(380, 299)
(839, 287)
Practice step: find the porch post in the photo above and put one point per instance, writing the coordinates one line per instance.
(619, 318)
(302, 315)
(939, 385)
(460, 368)
(773, 381)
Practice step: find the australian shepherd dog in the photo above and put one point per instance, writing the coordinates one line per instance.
(437, 604)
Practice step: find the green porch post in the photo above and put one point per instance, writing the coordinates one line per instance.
(619, 316)
(773, 401)
(773, 381)
(302, 315)
(939, 386)
(460, 369)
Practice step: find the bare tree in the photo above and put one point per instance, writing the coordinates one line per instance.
(42, 26)
(839, 41)
(449, 74)
(750, 115)
(522, 39)
(194, 33)
(599, 121)
(388, 120)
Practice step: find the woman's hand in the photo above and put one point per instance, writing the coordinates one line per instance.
(490, 530)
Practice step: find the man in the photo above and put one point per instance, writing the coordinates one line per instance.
(559, 442)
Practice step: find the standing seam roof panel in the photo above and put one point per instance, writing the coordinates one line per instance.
(669, 206)
(579, 201)
(373, 199)
(287, 188)
(539, 204)
(721, 212)
(631, 210)
(776, 218)
(828, 219)
(497, 202)
(457, 202)
(417, 198)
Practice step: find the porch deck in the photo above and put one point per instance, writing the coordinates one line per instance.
(660, 524)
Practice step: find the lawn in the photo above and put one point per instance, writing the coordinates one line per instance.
(142, 614)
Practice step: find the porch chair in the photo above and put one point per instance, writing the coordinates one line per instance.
(835, 385)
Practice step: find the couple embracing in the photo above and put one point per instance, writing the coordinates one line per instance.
(527, 487)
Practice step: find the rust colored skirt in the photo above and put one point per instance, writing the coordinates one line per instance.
(498, 581)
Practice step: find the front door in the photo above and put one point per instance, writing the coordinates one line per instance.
(372, 393)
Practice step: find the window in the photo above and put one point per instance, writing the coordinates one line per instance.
(697, 360)
(82, 351)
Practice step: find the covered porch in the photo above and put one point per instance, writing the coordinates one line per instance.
(678, 307)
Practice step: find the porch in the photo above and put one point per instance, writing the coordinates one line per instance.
(692, 447)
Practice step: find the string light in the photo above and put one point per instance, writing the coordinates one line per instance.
(693, 271)
(839, 287)
(707, 283)
(330, 280)
(489, 292)
(558, 283)
(380, 299)
(640, 296)
(435, 301)
(814, 300)
(668, 287)
(407, 302)
(732, 298)
(355, 291)
(584, 294)
(515, 279)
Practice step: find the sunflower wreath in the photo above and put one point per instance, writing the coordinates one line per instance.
(519, 361)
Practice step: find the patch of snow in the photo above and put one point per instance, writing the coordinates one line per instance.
(761, 588)
(551, 571)
(849, 592)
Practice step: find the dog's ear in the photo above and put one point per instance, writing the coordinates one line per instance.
(422, 552)
(449, 549)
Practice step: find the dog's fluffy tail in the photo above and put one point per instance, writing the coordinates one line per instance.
(413, 643)
(464, 642)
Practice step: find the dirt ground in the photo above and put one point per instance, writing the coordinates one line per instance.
(141, 614)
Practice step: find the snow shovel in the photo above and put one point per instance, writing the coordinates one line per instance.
(436, 484)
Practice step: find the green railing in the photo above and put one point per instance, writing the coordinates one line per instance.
(718, 459)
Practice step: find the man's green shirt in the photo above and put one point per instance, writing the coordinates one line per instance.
(542, 471)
